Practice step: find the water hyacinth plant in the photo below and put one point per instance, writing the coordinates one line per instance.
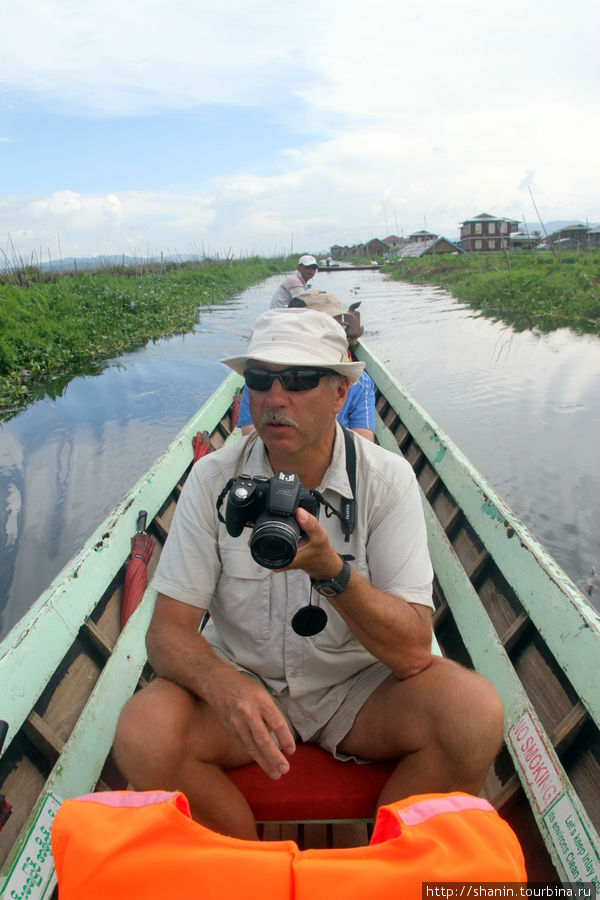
(53, 329)
(540, 290)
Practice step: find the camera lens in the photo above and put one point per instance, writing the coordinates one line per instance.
(274, 541)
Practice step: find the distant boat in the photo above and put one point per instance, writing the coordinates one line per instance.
(502, 604)
(345, 267)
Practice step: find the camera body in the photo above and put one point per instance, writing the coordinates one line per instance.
(268, 505)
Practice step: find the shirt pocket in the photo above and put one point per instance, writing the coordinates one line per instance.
(242, 602)
(337, 635)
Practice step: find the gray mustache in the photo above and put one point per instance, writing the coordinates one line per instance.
(277, 419)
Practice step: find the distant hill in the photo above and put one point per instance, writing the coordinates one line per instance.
(90, 263)
(554, 225)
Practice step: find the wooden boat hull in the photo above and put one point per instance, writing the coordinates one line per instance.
(505, 607)
(502, 606)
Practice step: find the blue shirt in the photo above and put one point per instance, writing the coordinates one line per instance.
(358, 410)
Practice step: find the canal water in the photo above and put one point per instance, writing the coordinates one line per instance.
(522, 405)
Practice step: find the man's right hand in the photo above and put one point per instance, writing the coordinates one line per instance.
(245, 709)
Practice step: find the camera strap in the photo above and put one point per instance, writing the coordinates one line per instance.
(221, 497)
(349, 506)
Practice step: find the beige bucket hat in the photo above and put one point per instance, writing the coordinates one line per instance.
(323, 301)
(328, 303)
(298, 337)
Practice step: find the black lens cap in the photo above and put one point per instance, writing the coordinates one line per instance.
(309, 620)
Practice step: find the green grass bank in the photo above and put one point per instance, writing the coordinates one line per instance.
(542, 291)
(52, 329)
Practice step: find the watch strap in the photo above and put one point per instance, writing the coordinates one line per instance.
(330, 587)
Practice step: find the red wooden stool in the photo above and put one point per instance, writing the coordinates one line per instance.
(317, 788)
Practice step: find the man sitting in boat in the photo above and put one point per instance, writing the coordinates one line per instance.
(358, 412)
(259, 677)
(295, 283)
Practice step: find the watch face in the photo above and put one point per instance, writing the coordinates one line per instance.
(334, 586)
(327, 591)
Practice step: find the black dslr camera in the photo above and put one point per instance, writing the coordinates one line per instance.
(268, 505)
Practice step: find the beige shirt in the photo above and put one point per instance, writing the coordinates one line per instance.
(252, 607)
(289, 288)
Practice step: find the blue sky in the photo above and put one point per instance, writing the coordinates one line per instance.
(185, 126)
(170, 148)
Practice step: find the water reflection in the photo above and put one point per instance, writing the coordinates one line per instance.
(51, 388)
(520, 321)
(523, 406)
(66, 461)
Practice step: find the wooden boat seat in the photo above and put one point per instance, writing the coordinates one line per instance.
(317, 788)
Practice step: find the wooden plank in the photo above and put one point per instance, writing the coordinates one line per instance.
(98, 638)
(350, 834)
(68, 692)
(515, 631)
(47, 741)
(566, 731)
(83, 756)
(22, 788)
(159, 523)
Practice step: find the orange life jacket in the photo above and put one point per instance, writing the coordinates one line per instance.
(130, 845)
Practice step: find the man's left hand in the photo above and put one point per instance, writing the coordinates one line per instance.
(315, 554)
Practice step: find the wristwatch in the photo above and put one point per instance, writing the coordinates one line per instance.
(331, 587)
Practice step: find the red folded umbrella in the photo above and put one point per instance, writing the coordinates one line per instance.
(201, 444)
(201, 441)
(136, 576)
(235, 408)
(5, 806)
(5, 811)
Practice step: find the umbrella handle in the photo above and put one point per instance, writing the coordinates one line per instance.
(141, 522)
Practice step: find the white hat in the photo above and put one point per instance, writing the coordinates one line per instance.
(328, 303)
(321, 300)
(298, 337)
(307, 261)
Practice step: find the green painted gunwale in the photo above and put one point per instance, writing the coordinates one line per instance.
(556, 606)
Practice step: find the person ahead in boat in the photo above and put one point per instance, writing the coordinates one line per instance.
(358, 412)
(333, 650)
(295, 283)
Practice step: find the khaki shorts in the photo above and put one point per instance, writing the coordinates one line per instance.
(325, 717)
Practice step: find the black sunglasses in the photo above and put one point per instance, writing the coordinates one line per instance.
(289, 379)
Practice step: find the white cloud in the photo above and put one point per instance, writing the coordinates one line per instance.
(344, 190)
(432, 112)
(75, 224)
(109, 56)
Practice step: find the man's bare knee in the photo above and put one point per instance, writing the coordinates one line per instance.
(471, 728)
(151, 730)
